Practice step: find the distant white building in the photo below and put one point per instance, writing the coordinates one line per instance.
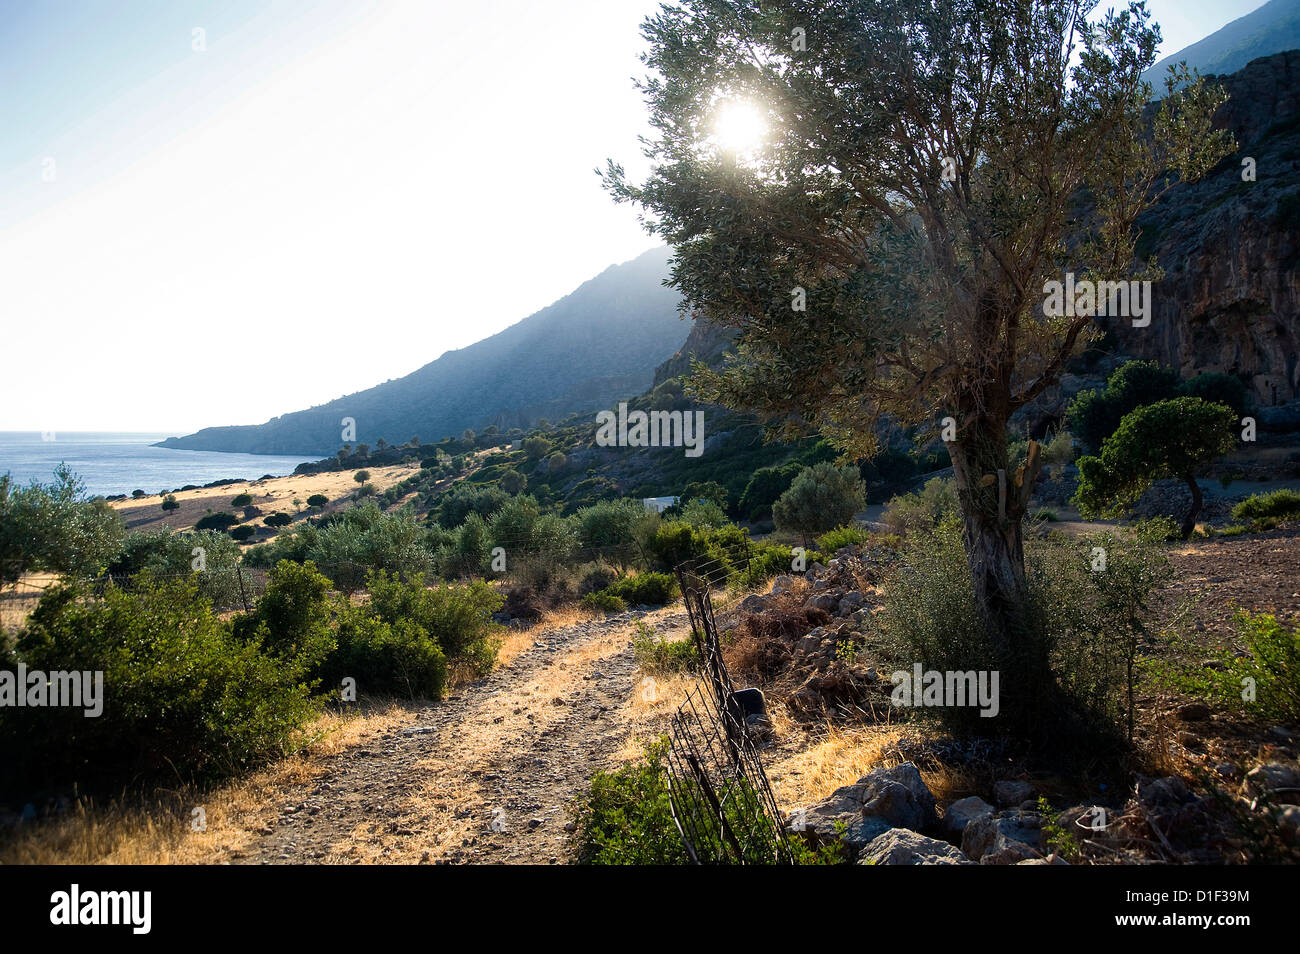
(659, 504)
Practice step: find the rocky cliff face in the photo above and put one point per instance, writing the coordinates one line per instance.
(706, 341)
(1229, 247)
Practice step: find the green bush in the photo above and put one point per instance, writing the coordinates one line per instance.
(457, 618)
(54, 527)
(216, 521)
(1215, 388)
(242, 533)
(841, 537)
(1264, 683)
(165, 553)
(277, 520)
(241, 500)
(317, 500)
(935, 505)
(1086, 623)
(182, 695)
(626, 817)
(604, 602)
(1094, 415)
(386, 658)
(292, 618)
(644, 589)
(664, 657)
(1281, 504)
(764, 487)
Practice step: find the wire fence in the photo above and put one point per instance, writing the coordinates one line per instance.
(719, 794)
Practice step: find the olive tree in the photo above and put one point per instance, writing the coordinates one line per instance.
(1174, 438)
(821, 498)
(928, 166)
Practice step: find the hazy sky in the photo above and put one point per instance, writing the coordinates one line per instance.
(319, 197)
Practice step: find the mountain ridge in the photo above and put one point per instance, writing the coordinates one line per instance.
(624, 321)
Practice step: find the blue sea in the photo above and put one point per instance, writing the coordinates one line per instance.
(116, 463)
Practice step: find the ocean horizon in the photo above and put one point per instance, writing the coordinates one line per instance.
(119, 462)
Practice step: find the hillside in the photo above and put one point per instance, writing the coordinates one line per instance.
(1272, 28)
(618, 326)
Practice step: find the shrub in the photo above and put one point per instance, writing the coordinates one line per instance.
(536, 447)
(934, 505)
(596, 579)
(182, 695)
(644, 589)
(292, 617)
(511, 481)
(389, 658)
(703, 513)
(277, 520)
(242, 533)
(137, 494)
(664, 657)
(1086, 624)
(841, 537)
(614, 526)
(457, 618)
(626, 817)
(604, 602)
(1094, 415)
(1281, 504)
(463, 499)
(216, 521)
(54, 527)
(241, 500)
(1264, 683)
(763, 489)
(821, 498)
(165, 553)
(317, 500)
(1215, 388)
(170, 503)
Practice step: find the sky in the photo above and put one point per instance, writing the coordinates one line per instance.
(217, 212)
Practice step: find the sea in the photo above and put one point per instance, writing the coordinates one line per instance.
(118, 463)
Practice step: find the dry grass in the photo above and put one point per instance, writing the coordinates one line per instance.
(160, 832)
(841, 757)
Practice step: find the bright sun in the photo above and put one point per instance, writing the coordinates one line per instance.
(739, 127)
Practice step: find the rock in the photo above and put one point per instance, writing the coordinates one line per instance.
(754, 603)
(1282, 733)
(899, 796)
(1288, 824)
(1227, 770)
(1003, 839)
(962, 812)
(782, 584)
(898, 846)
(1188, 740)
(1052, 859)
(1271, 778)
(827, 602)
(1009, 793)
(851, 602)
(1194, 712)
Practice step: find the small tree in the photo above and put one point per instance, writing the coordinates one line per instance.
(170, 503)
(216, 521)
(55, 527)
(1174, 438)
(536, 447)
(137, 494)
(241, 500)
(821, 498)
(512, 482)
(556, 463)
(317, 500)
(361, 476)
(277, 520)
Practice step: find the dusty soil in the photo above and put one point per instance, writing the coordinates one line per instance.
(487, 776)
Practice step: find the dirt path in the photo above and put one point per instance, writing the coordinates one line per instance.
(484, 777)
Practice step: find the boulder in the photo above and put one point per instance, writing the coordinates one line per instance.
(898, 846)
(962, 812)
(899, 796)
(1194, 712)
(782, 584)
(1270, 778)
(1003, 839)
(851, 602)
(827, 602)
(754, 603)
(1010, 794)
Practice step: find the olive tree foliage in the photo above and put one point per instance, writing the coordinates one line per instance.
(821, 498)
(55, 527)
(1174, 438)
(929, 165)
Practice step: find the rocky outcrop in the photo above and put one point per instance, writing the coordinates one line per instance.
(1230, 297)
